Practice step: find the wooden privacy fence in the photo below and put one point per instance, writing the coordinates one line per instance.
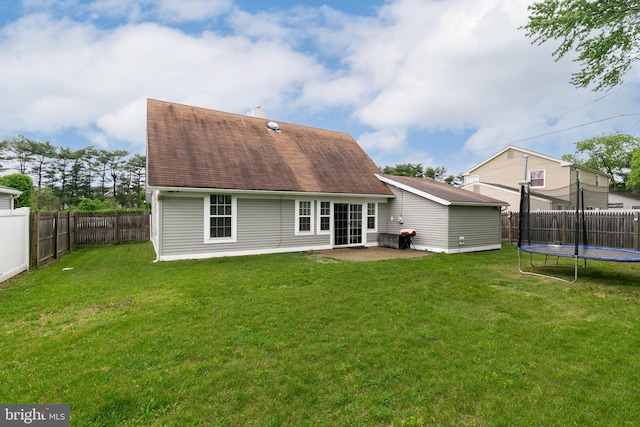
(53, 234)
(611, 229)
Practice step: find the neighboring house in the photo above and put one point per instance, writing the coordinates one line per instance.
(446, 218)
(225, 184)
(552, 180)
(7, 196)
(619, 200)
(14, 229)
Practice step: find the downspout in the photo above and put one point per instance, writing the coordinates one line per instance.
(156, 225)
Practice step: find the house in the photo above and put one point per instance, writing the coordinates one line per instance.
(7, 196)
(620, 200)
(447, 219)
(552, 180)
(224, 184)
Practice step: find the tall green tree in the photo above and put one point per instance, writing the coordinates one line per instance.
(22, 183)
(605, 34)
(134, 169)
(20, 151)
(633, 179)
(116, 164)
(439, 173)
(610, 153)
(4, 159)
(405, 169)
(40, 153)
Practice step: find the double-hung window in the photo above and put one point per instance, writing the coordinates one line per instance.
(304, 217)
(324, 213)
(371, 216)
(537, 179)
(221, 224)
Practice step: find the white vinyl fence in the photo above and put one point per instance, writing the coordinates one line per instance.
(14, 242)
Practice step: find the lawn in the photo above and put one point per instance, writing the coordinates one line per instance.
(287, 340)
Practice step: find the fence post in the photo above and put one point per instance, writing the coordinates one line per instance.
(35, 238)
(118, 227)
(75, 229)
(509, 227)
(55, 219)
(636, 231)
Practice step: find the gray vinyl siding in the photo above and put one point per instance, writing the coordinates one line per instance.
(5, 201)
(428, 218)
(262, 224)
(480, 227)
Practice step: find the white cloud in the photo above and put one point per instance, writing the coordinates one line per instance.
(67, 74)
(124, 124)
(414, 69)
(190, 10)
(385, 139)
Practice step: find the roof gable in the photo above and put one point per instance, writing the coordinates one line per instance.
(523, 151)
(190, 147)
(560, 162)
(440, 192)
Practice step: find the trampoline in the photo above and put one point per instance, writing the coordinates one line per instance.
(585, 252)
(578, 250)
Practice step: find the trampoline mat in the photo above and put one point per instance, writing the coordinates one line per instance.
(586, 252)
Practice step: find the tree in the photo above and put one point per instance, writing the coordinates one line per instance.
(134, 170)
(44, 199)
(40, 152)
(3, 155)
(604, 33)
(116, 162)
(438, 173)
(611, 154)
(405, 169)
(633, 179)
(22, 183)
(456, 181)
(20, 149)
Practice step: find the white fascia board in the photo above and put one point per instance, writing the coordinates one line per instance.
(269, 193)
(412, 190)
(482, 204)
(10, 191)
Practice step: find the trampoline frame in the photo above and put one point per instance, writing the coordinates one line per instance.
(584, 252)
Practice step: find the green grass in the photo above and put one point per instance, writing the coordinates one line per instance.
(286, 340)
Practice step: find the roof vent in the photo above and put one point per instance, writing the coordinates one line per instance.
(274, 126)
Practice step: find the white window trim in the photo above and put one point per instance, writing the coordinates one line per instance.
(312, 219)
(544, 173)
(320, 231)
(207, 221)
(366, 218)
(470, 179)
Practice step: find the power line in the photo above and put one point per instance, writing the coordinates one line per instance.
(575, 127)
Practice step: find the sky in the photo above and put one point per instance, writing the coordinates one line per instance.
(443, 83)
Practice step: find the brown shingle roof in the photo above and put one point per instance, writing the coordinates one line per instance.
(444, 191)
(199, 148)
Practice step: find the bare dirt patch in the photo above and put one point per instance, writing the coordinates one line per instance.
(365, 254)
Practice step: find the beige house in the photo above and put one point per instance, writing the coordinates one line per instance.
(552, 181)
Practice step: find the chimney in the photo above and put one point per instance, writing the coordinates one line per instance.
(259, 112)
